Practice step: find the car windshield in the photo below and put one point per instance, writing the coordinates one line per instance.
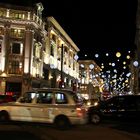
(27, 97)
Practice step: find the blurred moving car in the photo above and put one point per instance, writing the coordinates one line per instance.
(126, 107)
(57, 106)
(5, 98)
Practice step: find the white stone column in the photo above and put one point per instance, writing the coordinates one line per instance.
(6, 48)
(28, 51)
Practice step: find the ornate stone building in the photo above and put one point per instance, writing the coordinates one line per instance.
(31, 54)
(90, 81)
(61, 66)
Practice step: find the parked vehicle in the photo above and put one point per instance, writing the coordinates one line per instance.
(5, 98)
(57, 106)
(126, 107)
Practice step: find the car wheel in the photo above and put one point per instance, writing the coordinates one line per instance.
(95, 118)
(4, 116)
(62, 123)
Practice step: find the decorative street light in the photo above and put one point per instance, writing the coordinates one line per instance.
(96, 55)
(107, 54)
(113, 64)
(128, 56)
(124, 62)
(76, 57)
(136, 63)
(118, 54)
(91, 66)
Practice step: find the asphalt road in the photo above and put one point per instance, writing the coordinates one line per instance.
(105, 131)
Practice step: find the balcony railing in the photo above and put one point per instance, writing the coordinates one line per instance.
(21, 15)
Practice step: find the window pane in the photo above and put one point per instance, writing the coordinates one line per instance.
(27, 97)
(15, 67)
(16, 48)
(45, 97)
(60, 98)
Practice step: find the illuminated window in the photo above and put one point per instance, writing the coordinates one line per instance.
(21, 48)
(15, 67)
(20, 67)
(17, 33)
(37, 50)
(14, 14)
(19, 16)
(60, 98)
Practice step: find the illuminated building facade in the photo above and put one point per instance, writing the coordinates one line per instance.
(61, 64)
(90, 79)
(28, 53)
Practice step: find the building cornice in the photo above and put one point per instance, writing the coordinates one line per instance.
(58, 27)
(23, 22)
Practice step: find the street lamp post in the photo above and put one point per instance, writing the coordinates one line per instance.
(62, 51)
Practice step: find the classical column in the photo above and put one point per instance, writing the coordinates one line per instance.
(28, 58)
(6, 47)
(28, 50)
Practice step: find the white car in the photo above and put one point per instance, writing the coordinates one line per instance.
(57, 106)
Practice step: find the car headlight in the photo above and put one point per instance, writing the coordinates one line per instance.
(88, 103)
(95, 104)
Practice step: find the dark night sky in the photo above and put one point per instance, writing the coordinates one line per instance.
(98, 26)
